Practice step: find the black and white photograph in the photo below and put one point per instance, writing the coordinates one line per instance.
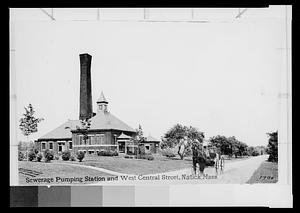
(106, 96)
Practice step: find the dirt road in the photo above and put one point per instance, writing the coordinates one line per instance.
(237, 172)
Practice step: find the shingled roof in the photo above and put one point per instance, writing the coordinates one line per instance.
(150, 138)
(101, 121)
(106, 120)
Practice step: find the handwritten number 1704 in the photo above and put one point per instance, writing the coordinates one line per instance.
(266, 177)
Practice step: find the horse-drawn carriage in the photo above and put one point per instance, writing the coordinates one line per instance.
(214, 158)
(205, 155)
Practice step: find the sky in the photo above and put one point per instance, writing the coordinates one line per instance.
(222, 77)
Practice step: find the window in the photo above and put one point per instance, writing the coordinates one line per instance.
(43, 146)
(70, 144)
(89, 140)
(102, 139)
(80, 140)
(147, 147)
(51, 145)
(93, 140)
(76, 140)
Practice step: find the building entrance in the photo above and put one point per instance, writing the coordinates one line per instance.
(61, 146)
(121, 147)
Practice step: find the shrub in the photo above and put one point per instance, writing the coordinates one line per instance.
(80, 155)
(39, 157)
(48, 155)
(141, 149)
(107, 153)
(20, 156)
(255, 153)
(72, 158)
(66, 155)
(145, 156)
(36, 151)
(149, 157)
(272, 148)
(130, 153)
(116, 153)
(168, 153)
(31, 155)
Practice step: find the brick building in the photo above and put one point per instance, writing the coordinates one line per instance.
(104, 131)
(105, 128)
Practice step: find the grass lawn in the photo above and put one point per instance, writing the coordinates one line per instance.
(139, 166)
(266, 173)
(34, 170)
(135, 166)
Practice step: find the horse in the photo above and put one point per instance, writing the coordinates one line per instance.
(199, 157)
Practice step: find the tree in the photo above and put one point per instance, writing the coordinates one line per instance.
(140, 134)
(140, 150)
(183, 137)
(85, 126)
(238, 148)
(194, 134)
(167, 143)
(29, 124)
(229, 145)
(222, 144)
(242, 148)
(195, 137)
(177, 136)
(233, 146)
(252, 151)
(272, 148)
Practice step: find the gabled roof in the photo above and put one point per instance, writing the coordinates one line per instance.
(63, 131)
(123, 136)
(106, 120)
(102, 98)
(150, 138)
(101, 121)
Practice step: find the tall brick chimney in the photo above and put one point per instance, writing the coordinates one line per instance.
(86, 107)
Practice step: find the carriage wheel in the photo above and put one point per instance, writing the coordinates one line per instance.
(222, 164)
(217, 166)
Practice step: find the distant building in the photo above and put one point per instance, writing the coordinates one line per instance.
(151, 144)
